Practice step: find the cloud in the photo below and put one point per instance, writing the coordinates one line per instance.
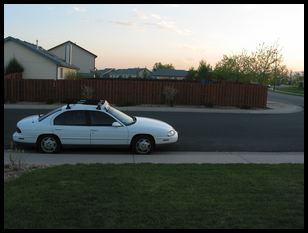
(160, 22)
(140, 14)
(122, 23)
(155, 16)
(79, 9)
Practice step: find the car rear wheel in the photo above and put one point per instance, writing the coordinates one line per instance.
(143, 144)
(49, 144)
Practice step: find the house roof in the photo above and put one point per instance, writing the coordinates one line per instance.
(40, 51)
(75, 45)
(105, 71)
(170, 73)
(129, 71)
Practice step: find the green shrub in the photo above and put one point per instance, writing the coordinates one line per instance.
(50, 101)
(209, 105)
(13, 67)
(245, 106)
(71, 75)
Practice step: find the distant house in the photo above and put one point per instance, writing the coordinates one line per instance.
(125, 73)
(105, 73)
(75, 55)
(169, 74)
(38, 63)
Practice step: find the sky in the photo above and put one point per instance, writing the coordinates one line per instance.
(139, 35)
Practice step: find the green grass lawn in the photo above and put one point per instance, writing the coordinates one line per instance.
(157, 196)
(291, 90)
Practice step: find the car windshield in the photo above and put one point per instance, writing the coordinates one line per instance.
(124, 118)
(42, 117)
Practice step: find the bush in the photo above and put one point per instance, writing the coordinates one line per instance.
(169, 94)
(50, 101)
(13, 67)
(209, 105)
(71, 75)
(245, 106)
(87, 92)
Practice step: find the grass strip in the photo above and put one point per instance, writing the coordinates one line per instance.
(157, 196)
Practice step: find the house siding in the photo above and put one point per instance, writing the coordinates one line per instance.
(80, 58)
(35, 66)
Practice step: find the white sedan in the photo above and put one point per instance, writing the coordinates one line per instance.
(89, 124)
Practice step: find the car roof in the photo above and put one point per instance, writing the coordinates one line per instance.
(102, 105)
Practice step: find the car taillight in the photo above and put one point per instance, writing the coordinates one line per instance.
(18, 130)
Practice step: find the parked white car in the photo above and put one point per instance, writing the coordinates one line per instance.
(89, 124)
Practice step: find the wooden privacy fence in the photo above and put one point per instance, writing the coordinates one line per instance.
(123, 92)
(13, 76)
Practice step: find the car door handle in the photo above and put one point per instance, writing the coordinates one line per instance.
(94, 130)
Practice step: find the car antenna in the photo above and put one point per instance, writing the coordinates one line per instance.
(68, 106)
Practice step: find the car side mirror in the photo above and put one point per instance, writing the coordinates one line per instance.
(116, 124)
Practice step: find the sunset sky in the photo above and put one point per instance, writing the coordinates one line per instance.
(137, 35)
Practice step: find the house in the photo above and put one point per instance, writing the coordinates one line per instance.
(75, 55)
(169, 74)
(105, 73)
(37, 62)
(125, 73)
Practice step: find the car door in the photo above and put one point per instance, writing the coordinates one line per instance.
(102, 131)
(72, 127)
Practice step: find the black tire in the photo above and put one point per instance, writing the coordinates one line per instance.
(48, 144)
(142, 144)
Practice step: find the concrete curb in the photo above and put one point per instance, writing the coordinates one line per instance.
(158, 158)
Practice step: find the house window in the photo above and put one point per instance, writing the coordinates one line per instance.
(61, 73)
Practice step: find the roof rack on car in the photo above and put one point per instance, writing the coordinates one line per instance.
(99, 105)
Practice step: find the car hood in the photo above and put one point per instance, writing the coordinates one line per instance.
(28, 120)
(152, 123)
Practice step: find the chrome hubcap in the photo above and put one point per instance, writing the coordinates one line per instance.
(143, 146)
(49, 144)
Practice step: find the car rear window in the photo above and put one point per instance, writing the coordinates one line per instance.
(72, 118)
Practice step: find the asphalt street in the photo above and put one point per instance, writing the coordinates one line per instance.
(210, 131)
(271, 136)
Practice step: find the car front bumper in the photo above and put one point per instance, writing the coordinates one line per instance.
(167, 140)
(20, 138)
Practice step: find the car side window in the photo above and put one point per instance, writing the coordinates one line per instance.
(101, 119)
(71, 118)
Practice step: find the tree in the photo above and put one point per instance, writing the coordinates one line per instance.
(191, 74)
(145, 74)
(203, 71)
(263, 66)
(14, 67)
(235, 68)
(159, 65)
(267, 63)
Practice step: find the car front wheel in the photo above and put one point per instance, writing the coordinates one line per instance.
(142, 145)
(49, 144)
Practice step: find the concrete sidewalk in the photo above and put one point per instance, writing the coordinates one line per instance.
(158, 158)
(272, 108)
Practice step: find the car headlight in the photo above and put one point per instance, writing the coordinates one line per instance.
(171, 133)
(18, 130)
